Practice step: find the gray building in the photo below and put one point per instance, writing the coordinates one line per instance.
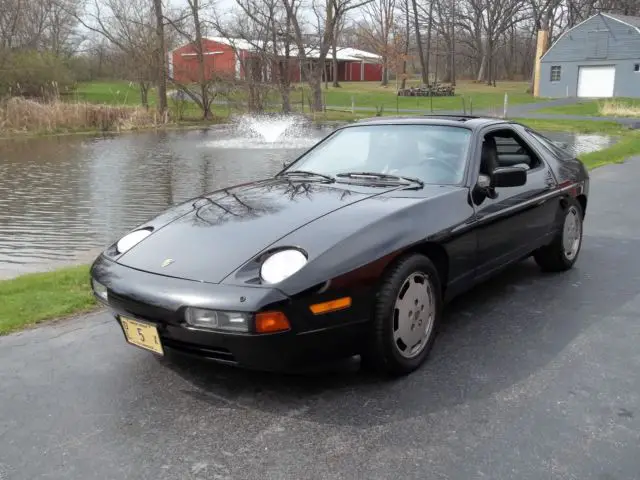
(598, 58)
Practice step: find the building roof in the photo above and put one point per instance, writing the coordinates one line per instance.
(342, 53)
(626, 19)
(629, 20)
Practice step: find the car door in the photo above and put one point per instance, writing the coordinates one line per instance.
(517, 219)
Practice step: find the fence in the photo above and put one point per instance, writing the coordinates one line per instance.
(374, 104)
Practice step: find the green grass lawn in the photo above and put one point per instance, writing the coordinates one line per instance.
(628, 146)
(364, 94)
(593, 108)
(111, 93)
(36, 297)
(480, 96)
(576, 126)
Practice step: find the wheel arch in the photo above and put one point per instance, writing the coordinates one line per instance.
(582, 198)
(435, 252)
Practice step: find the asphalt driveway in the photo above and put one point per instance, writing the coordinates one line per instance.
(534, 376)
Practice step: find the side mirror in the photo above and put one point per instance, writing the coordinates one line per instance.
(509, 177)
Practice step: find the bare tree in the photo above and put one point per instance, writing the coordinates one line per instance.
(267, 27)
(46, 25)
(416, 24)
(378, 23)
(334, 49)
(191, 27)
(407, 42)
(485, 22)
(127, 24)
(327, 13)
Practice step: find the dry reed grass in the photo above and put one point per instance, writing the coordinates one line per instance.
(24, 115)
(617, 108)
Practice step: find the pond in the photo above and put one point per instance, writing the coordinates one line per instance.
(62, 199)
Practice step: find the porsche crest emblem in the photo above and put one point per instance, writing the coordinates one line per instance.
(167, 262)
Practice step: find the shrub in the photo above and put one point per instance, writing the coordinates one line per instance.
(619, 108)
(20, 114)
(35, 75)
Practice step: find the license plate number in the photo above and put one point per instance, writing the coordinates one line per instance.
(142, 335)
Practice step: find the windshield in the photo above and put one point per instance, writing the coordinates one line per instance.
(432, 153)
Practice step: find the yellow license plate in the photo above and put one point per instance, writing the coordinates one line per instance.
(142, 335)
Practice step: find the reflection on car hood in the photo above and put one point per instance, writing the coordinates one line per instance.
(229, 227)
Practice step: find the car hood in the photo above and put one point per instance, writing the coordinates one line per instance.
(229, 227)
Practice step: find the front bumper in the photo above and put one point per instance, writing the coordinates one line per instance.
(162, 300)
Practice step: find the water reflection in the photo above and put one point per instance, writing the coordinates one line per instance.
(64, 198)
(580, 143)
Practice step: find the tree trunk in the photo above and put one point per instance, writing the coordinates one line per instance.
(204, 94)
(336, 84)
(406, 47)
(385, 71)
(429, 28)
(416, 25)
(315, 82)
(453, 44)
(325, 76)
(162, 69)
(481, 70)
(286, 100)
(490, 62)
(144, 94)
(284, 68)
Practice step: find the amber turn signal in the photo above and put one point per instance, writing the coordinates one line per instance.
(331, 306)
(268, 322)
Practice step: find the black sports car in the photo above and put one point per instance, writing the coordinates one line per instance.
(352, 249)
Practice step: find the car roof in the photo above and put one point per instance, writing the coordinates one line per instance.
(467, 121)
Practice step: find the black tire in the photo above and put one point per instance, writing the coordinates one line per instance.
(555, 257)
(382, 354)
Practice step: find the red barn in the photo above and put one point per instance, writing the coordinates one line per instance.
(235, 58)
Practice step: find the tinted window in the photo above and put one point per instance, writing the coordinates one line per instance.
(432, 153)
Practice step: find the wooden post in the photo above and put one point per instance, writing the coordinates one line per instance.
(506, 105)
(541, 48)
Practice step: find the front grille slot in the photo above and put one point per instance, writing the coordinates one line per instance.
(139, 309)
(215, 353)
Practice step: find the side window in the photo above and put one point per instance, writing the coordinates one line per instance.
(512, 150)
(556, 72)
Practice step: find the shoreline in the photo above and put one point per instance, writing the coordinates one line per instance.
(175, 126)
(168, 127)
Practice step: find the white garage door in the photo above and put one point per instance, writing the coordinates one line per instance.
(596, 82)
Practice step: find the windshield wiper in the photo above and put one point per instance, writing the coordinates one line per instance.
(308, 174)
(380, 176)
